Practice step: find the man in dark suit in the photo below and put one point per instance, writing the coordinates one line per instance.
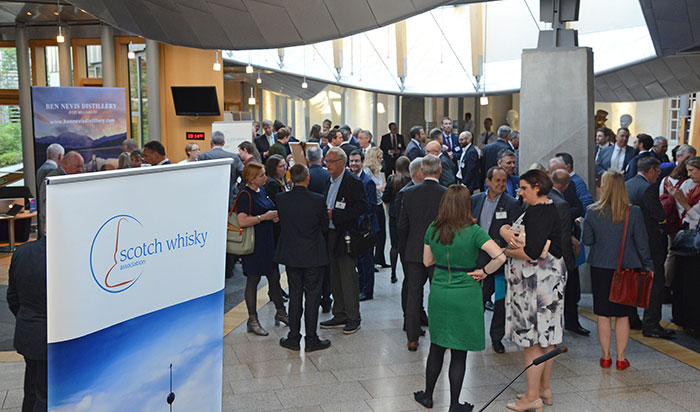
(660, 148)
(616, 156)
(302, 248)
(154, 153)
(346, 145)
(643, 192)
(265, 140)
(447, 175)
(54, 155)
(493, 209)
(468, 166)
(490, 152)
(346, 202)
(644, 143)
(365, 263)
(450, 140)
(419, 209)
(319, 178)
(217, 142)
(26, 297)
(414, 149)
(561, 181)
(506, 161)
(392, 146)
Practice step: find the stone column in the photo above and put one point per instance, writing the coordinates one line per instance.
(412, 114)
(153, 87)
(109, 74)
(556, 108)
(64, 59)
(25, 106)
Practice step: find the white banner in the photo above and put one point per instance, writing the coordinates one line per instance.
(135, 264)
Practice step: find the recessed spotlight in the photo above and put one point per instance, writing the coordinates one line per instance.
(29, 13)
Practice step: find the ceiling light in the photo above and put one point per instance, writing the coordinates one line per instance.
(130, 54)
(217, 65)
(55, 13)
(259, 80)
(304, 85)
(249, 68)
(251, 99)
(484, 100)
(380, 108)
(29, 13)
(59, 38)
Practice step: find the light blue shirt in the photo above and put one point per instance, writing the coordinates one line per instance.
(333, 194)
(487, 211)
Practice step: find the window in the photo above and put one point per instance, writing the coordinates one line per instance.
(675, 115)
(93, 61)
(8, 68)
(138, 94)
(53, 78)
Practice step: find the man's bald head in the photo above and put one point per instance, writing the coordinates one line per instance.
(72, 162)
(556, 163)
(434, 148)
(561, 179)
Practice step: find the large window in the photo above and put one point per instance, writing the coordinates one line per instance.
(675, 115)
(93, 61)
(53, 78)
(10, 132)
(138, 94)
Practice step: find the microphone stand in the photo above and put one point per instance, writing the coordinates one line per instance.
(544, 358)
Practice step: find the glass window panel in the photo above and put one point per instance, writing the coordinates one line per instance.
(10, 136)
(52, 75)
(8, 68)
(93, 60)
(138, 94)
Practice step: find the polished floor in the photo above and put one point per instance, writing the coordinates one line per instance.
(372, 370)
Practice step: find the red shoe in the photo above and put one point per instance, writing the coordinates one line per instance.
(605, 363)
(622, 365)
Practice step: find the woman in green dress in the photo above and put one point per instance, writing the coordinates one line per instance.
(455, 303)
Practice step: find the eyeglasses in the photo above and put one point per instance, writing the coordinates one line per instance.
(333, 160)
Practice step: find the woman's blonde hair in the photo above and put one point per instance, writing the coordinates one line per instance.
(614, 201)
(372, 160)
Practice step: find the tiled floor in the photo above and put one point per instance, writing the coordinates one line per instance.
(372, 371)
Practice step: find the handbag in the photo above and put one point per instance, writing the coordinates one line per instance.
(239, 240)
(362, 238)
(686, 242)
(630, 287)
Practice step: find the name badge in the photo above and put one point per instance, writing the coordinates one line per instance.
(501, 215)
(340, 205)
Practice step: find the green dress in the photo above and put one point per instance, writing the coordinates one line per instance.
(455, 303)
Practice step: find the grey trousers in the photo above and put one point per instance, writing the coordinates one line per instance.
(345, 284)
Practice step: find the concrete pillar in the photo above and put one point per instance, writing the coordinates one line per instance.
(64, 59)
(556, 102)
(412, 114)
(109, 74)
(153, 87)
(25, 106)
(375, 102)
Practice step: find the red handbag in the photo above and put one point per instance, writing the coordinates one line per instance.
(630, 287)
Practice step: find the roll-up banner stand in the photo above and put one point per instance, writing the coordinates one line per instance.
(135, 265)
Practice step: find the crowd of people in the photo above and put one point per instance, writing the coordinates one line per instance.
(462, 217)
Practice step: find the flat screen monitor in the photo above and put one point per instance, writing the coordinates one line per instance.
(195, 100)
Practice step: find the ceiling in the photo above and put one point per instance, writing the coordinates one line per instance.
(251, 24)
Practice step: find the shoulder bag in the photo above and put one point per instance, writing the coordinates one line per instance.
(240, 240)
(630, 287)
(362, 238)
(686, 242)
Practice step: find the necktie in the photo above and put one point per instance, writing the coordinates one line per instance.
(393, 141)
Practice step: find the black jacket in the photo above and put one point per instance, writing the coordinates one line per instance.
(646, 195)
(392, 197)
(262, 144)
(564, 213)
(449, 170)
(352, 193)
(419, 208)
(506, 204)
(26, 297)
(386, 145)
(490, 153)
(304, 223)
(319, 178)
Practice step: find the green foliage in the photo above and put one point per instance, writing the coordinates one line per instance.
(8, 68)
(10, 144)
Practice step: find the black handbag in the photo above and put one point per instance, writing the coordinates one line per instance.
(362, 238)
(685, 242)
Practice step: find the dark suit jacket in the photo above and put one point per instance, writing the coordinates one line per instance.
(470, 169)
(349, 148)
(419, 209)
(605, 156)
(41, 173)
(262, 144)
(371, 192)
(631, 170)
(662, 159)
(575, 209)
(490, 153)
(319, 179)
(236, 168)
(385, 145)
(392, 197)
(564, 213)
(352, 193)
(303, 224)
(646, 195)
(26, 297)
(414, 150)
(273, 187)
(506, 204)
(447, 177)
(399, 198)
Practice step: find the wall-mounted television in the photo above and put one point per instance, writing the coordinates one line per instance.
(195, 100)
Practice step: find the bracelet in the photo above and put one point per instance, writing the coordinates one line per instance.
(258, 216)
(484, 270)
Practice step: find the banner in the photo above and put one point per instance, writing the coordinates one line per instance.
(89, 120)
(136, 288)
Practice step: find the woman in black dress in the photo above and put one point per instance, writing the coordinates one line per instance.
(396, 182)
(254, 208)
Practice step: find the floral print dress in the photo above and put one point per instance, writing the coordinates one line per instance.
(534, 299)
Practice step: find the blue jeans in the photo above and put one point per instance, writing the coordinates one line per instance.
(365, 272)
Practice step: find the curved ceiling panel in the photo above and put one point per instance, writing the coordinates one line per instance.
(251, 24)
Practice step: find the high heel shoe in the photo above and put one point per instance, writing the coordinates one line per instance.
(546, 396)
(281, 316)
(423, 398)
(622, 364)
(605, 363)
(253, 326)
(522, 405)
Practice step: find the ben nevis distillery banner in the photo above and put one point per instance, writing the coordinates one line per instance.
(89, 120)
(136, 288)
